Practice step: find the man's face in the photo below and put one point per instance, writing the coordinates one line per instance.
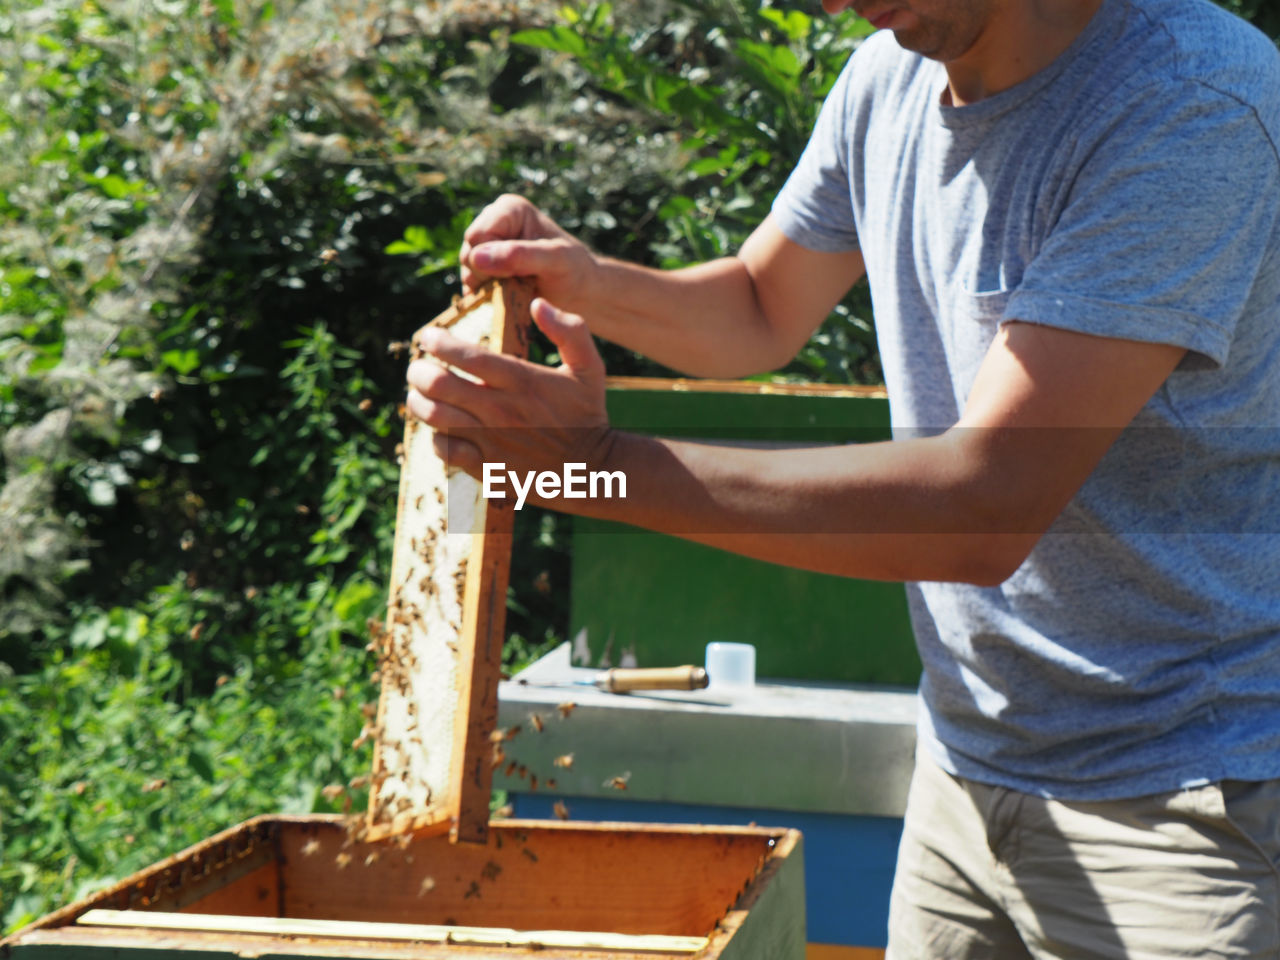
(942, 30)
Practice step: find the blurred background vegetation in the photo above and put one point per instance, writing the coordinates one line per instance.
(215, 215)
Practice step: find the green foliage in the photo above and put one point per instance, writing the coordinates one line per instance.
(1263, 14)
(737, 88)
(106, 766)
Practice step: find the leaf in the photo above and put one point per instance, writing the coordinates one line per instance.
(180, 362)
(353, 599)
(793, 23)
(416, 240)
(201, 765)
(437, 264)
(559, 39)
(716, 164)
(89, 634)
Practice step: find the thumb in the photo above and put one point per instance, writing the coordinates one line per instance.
(517, 258)
(571, 337)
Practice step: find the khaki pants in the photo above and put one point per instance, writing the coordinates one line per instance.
(986, 872)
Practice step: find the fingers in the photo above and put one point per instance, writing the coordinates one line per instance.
(494, 369)
(508, 217)
(571, 336)
(437, 414)
(513, 220)
(458, 453)
(446, 401)
(519, 258)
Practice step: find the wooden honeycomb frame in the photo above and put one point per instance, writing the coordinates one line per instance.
(440, 655)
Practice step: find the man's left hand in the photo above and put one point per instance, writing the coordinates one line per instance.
(522, 414)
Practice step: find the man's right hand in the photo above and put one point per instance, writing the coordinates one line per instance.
(513, 238)
(730, 317)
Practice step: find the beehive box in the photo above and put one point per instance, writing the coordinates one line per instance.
(426, 874)
(297, 886)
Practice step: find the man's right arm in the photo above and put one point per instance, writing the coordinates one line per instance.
(730, 317)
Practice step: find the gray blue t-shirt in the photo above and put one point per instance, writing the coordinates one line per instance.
(1131, 189)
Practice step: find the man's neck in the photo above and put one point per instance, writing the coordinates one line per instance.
(1024, 38)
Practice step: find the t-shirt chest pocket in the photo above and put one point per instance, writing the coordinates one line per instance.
(971, 321)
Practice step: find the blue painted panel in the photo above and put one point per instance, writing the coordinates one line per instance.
(848, 861)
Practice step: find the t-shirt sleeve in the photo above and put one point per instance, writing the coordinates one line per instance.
(1165, 228)
(815, 206)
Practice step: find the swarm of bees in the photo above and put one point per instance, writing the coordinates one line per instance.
(413, 649)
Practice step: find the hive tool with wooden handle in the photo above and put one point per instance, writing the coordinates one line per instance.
(628, 679)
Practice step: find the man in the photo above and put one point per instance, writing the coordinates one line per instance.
(1069, 213)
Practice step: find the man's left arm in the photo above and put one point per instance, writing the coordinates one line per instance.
(967, 505)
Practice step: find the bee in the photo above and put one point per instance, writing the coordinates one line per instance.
(311, 847)
(359, 782)
(332, 792)
(619, 782)
(504, 811)
(372, 858)
(497, 736)
(560, 810)
(368, 710)
(328, 255)
(428, 884)
(535, 720)
(566, 708)
(343, 860)
(512, 732)
(397, 347)
(499, 755)
(151, 786)
(565, 761)
(533, 783)
(365, 405)
(491, 870)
